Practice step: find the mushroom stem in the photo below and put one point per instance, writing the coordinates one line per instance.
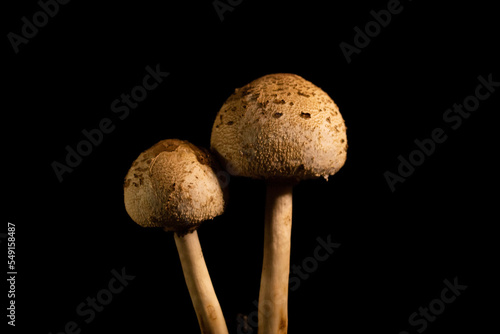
(273, 296)
(205, 302)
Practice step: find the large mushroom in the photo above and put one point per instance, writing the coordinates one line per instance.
(281, 128)
(173, 185)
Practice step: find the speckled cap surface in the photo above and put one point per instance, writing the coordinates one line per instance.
(173, 185)
(280, 126)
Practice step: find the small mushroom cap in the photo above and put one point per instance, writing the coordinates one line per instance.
(173, 185)
(280, 126)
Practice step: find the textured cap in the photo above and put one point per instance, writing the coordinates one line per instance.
(173, 185)
(280, 126)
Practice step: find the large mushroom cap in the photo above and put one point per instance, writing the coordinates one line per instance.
(280, 126)
(173, 185)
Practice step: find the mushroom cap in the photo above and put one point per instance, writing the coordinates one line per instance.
(173, 185)
(280, 127)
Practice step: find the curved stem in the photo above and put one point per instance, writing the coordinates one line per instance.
(273, 296)
(205, 302)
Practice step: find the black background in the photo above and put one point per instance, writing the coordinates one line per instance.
(397, 247)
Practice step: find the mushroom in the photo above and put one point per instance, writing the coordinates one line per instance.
(283, 129)
(172, 185)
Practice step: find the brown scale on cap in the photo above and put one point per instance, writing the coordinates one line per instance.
(173, 185)
(280, 126)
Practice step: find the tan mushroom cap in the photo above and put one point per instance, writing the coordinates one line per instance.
(280, 126)
(173, 185)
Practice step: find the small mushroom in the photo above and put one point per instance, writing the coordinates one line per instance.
(281, 128)
(172, 185)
